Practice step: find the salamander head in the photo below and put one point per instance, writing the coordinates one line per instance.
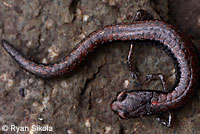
(132, 103)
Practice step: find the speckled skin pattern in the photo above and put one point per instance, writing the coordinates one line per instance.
(130, 103)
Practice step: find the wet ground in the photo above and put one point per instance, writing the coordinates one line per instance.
(79, 102)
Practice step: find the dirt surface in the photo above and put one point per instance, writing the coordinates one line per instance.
(78, 103)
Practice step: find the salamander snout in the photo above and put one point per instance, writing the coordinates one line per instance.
(117, 105)
(132, 103)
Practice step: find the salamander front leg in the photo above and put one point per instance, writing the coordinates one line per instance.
(159, 76)
(160, 118)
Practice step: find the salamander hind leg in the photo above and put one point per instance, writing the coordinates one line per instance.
(131, 67)
(140, 16)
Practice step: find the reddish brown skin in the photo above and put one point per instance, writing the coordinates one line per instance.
(130, 103)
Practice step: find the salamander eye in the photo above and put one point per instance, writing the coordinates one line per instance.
(122, 96)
